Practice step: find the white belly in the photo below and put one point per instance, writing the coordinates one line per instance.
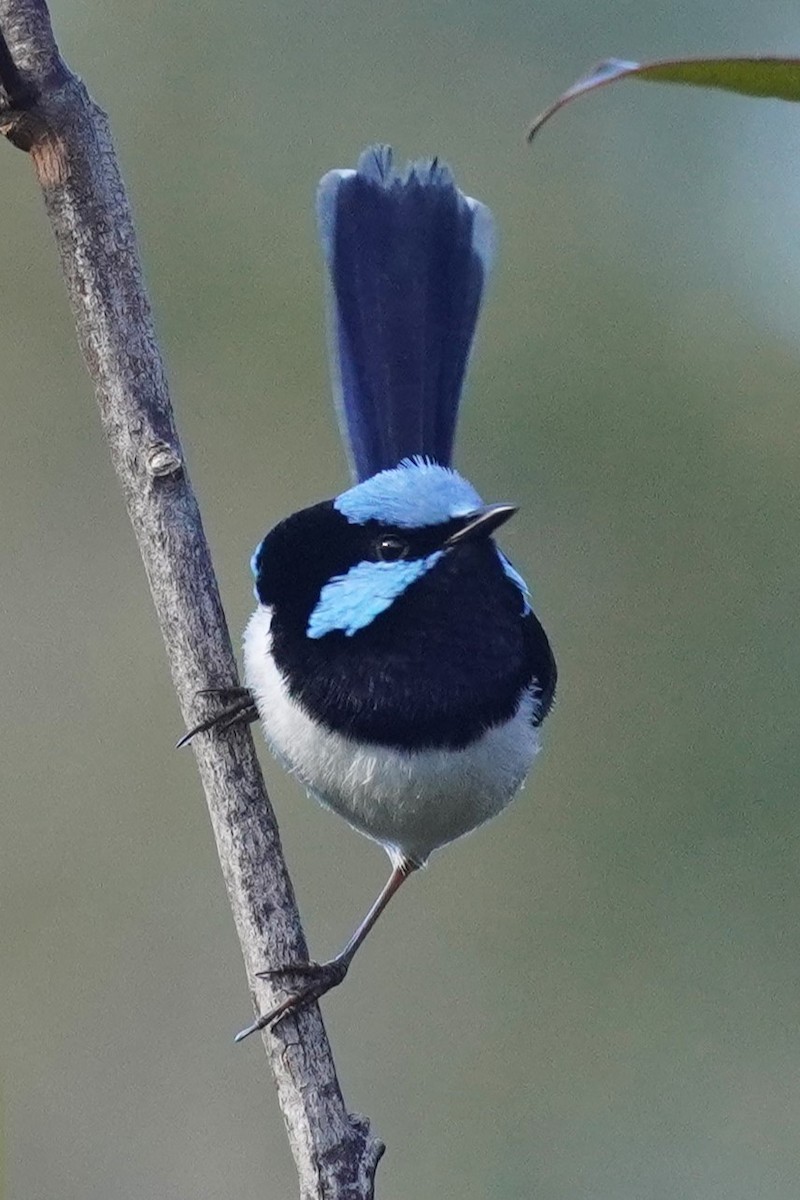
(410, 801)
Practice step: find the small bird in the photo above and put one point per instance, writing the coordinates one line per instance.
(394, 659)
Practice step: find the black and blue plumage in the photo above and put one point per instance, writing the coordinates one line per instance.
(394, 658)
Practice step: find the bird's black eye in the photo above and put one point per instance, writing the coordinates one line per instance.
(390, 548)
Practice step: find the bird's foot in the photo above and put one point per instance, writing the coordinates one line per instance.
(241, 708)
(320, 977)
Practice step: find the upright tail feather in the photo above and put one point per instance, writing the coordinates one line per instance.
(408, 256)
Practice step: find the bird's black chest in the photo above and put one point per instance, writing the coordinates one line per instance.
(448, 659)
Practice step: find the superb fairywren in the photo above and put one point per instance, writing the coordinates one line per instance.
(394, 659)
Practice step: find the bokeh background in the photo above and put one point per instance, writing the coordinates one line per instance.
(598, 997)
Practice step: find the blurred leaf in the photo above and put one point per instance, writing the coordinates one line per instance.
(778, 78)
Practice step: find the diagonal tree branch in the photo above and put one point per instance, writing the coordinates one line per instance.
(46, 110)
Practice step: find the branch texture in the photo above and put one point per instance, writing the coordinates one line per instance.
(46, 110)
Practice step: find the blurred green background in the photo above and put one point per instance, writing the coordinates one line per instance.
(597, 997)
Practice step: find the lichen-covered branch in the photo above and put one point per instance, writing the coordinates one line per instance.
(46, 111)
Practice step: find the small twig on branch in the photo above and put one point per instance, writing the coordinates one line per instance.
(46, 110)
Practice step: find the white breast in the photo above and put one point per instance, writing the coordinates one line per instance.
(410, 801)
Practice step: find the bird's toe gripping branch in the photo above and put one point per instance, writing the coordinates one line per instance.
(240, 709)
(321, 977)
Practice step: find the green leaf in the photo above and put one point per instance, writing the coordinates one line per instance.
(778, 78)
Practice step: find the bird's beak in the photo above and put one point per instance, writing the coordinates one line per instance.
(481, 523)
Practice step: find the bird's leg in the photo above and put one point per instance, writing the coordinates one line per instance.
(241, 707)
(325, 976)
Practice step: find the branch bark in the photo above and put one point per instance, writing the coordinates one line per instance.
(46, 111)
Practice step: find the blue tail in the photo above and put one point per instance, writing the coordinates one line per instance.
(408, 255)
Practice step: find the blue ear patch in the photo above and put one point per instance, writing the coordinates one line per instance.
(416, 493)
(352, 601)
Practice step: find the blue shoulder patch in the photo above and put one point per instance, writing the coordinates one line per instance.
(254, 566)
(352, 601)
(515, 577)
(412, 495)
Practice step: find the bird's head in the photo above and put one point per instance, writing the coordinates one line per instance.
(338, 567)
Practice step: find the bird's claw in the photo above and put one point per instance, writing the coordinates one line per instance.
(241, 708)
(233, 692)
(300, 968)
(323, 976)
